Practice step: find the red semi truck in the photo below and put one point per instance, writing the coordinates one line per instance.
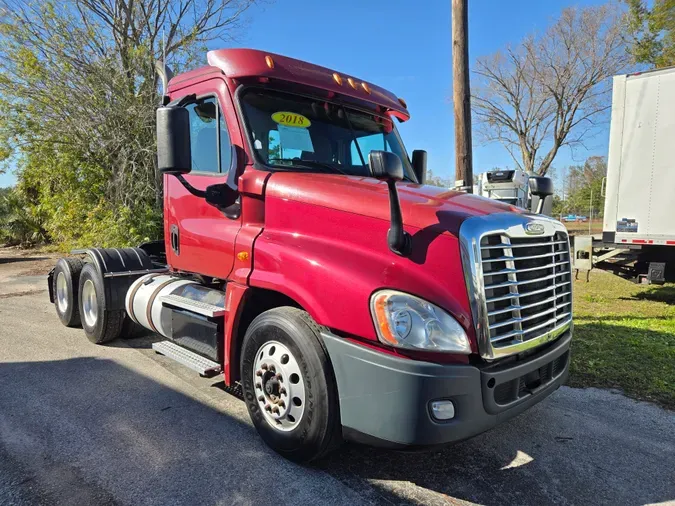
(306, 261)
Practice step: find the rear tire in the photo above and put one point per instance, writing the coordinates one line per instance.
(101, 325)
(299, 365)
(65, 289)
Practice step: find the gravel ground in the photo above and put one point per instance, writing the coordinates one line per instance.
(117, 424)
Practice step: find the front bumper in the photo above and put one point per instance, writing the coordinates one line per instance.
(384, 400)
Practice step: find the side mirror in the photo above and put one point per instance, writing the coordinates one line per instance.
(173, 140)
(419, 165)
(387, 167)
(541, 187)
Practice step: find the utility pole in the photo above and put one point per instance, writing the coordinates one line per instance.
(461, 96)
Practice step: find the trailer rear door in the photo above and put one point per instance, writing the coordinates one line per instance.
(643, 175)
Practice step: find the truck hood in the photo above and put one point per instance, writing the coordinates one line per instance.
(422, 206)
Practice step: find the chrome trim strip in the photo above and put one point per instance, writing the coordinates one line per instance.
(525, 282)
(530, 257)
(530, 245)
(529, 269)
(544, 338)
(511, 225)
(528, 306)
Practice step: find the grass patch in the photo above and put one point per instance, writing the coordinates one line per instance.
(624, 337)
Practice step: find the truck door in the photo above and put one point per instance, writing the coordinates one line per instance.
(199, 237)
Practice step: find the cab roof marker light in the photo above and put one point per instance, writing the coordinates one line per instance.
(403, 102)
(337, 78)
(269, 61)
(366, 88)
(352, 83)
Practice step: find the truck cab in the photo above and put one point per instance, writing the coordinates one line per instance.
(305, 259)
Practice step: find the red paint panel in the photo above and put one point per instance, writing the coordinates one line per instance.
(422, 206)
(206, 236)
(234, 297)
(330, 261)
(243, 63)
(670, 242)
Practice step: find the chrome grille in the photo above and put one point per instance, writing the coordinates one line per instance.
(527, 286)
(519, 284)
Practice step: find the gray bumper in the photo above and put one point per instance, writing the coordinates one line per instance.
(384, 400)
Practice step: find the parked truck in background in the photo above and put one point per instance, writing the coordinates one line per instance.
(638, 231)
(306, 261)
(512, 187)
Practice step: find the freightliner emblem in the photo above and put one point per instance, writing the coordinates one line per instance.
(534, 228)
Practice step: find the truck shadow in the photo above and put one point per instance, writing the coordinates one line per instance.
(559, 452)
(90, 431)
(88, 428)
(16, 259)
(664, 293)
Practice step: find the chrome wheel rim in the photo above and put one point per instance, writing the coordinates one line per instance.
(279, 387)
(62, 292)
(89, 305)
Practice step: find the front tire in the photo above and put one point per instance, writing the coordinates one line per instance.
(65, 285)
(288, 385)
(100, 324)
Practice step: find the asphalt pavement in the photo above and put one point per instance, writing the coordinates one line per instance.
(118, 424)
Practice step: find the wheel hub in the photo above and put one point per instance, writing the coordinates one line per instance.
(279, 388)
(272, 387)
(62, 292)
(89, 304)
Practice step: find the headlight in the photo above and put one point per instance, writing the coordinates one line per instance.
(406, 321)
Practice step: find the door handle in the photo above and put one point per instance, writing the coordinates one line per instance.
(175, 244)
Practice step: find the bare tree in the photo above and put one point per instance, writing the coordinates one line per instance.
(552, 89)
(78, 93)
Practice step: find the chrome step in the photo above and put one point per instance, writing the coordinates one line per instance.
(202, 308)
(203, 366)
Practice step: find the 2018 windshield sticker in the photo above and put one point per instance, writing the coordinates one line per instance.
(291, 119)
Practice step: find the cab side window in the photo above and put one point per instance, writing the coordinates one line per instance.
(208, 134)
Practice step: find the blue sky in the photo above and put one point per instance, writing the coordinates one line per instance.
(404, 46)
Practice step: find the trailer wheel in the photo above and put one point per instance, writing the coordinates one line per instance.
(288, 385)
(100, 324)
(66, 282)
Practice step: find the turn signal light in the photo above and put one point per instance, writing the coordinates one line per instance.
(269, 61)
(242, 255)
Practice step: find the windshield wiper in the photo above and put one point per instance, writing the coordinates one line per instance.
(309, 164)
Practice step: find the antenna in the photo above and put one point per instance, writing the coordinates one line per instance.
(163, 49)
(164, 72)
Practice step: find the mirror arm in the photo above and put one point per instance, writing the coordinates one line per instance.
(220, 196)
(540, 205)
(194, 191)
(399, 240)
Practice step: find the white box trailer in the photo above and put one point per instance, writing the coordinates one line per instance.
(639, 219)
(640, 187)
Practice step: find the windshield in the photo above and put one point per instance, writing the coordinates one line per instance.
(293, 132)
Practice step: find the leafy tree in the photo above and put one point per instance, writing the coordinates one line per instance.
(552, 89)
(652, 32)
(581, 181)
(78, 93)
(18, 224)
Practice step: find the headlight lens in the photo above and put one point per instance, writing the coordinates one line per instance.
(406, 321)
